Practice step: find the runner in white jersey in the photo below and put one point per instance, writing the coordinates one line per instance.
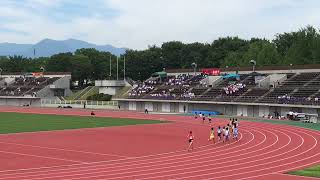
(226, 135)
(235, 132)
(219, 133)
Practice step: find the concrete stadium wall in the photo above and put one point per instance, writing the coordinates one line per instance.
(149, 106)
(132, 106)
(109, 90)
(166, 107)
(157, 107)
(34, 102)
(62, 83)
(227, 109)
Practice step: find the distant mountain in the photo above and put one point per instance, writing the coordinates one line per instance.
(49, 47)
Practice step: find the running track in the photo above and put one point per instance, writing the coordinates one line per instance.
(157, 151)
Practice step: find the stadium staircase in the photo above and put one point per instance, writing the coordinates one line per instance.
(84, 93)
(243, 95)
(314, 82)
(259, 99)
(123, 92)
(92, 90)
(315, 94)
(130, 81)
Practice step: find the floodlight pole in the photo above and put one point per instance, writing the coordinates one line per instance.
(253, 62)
(194, 65)
(124, 67)
(110, 67)
(117, 68)
(42, 69)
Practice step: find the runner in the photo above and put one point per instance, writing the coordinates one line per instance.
(200, 115)
(190, 140)
(211, 138)
(230, 128)
(235, 133)
(203, 118)
(195, 115)
(209, 118)
(223, 133)
(226, 136)
(233, 122)
(219, 133)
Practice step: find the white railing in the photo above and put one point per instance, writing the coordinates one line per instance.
(79, 104)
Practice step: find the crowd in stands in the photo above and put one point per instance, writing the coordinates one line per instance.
(179, 80)
(286, 99)
(188, 95)
(172, 93)
(183, 81)
(234, 88)
(141, 89)
(164, 94)
(25, 85)
(185, 86)
(170, 90)
(144, 88)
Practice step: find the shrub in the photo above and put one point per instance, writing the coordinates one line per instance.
(99, 97)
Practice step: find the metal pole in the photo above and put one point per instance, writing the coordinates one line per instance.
(117, 68)
(110, 67)
(124, 67)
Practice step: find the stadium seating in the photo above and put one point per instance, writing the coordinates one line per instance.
(26, 86)
(301, 88)
(300, 79)
(252, 95)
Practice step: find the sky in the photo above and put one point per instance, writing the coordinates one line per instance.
(136, 24)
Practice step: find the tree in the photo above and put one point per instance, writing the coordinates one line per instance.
(172, 54)
(263, 52)
(221, 47)
(81, 68)
(233, 59)
(304, 47)
(99, 61)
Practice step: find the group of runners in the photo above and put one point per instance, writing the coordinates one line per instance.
(203, 117)
(224, 133)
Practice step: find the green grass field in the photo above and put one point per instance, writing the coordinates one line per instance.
(19, 122)
(309, 172)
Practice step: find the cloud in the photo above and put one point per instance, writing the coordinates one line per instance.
(139, 23)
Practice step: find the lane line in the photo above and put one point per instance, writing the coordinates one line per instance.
(62, 149)
(135, 164)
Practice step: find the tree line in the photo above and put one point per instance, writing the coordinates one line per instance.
(299, 47)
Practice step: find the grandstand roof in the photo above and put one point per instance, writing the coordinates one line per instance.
(161, 74)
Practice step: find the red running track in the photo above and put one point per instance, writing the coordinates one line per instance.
(264, 151)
